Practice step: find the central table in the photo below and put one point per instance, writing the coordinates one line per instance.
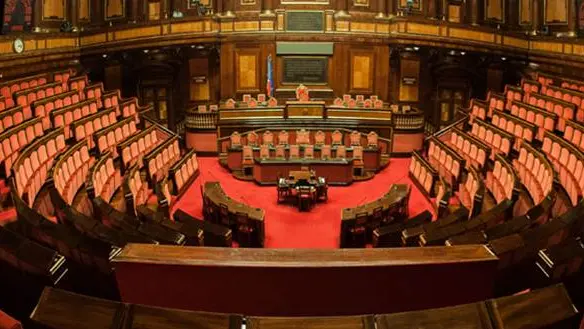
(335, 171)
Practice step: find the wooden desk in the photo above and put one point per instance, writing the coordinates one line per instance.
(336, 171)
(304, 282)
(397, 196)
(217, 197)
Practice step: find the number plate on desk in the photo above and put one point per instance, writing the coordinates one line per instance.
(305, 111)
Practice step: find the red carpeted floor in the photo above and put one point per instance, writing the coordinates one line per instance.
(286, 227)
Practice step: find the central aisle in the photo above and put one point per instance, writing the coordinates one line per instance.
(286, 227)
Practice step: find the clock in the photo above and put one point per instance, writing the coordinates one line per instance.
(18, 45)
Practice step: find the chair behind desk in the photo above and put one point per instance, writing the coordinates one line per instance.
(215, 235)
(390, 235)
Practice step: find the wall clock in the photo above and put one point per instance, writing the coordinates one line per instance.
(18, 45)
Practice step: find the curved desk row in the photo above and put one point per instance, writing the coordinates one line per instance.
(304, 282)
(246, 222)
(363, 219)
(550, 307)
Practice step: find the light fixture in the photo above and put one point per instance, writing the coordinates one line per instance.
(200, 47)
(463, 53)
(146, 51)
(416, 48)
(104, 55)
(503, 58)
(192, 46)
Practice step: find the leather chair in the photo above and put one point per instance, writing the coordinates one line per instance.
(245, 232)
(224, 216)
(359, 231)
(305, 197)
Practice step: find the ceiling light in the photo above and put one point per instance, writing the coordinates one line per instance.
(416, 48)
(463, 53)
(503, 58)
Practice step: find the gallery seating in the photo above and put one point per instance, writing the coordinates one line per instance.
(78, 83)
(107, 138)
(8, 88)
(513, 93)
(160, 159)
(563, 109)
(15, 139)
(499, 140)
(568, 162)
(478, 109)
(65, 116)
(26, 97)
(111, 99)
(570, 96)
(422, 173)
(70, 170)
(133, 148)
(44, 106)
(502, 180)
(32, 166)
(84, 127)
(410, 236)
(472, 192)
(105, 179)
(474, 151)
(136, 191)
(129, 108)
(183, 172)
(530, 86)
(447, 161)
(94, 90)
(496, 102)
(521, 129)
(535, 172)
(543, 120)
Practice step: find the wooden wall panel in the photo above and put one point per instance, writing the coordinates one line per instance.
(199, 90)
(381, 72)
(113, 77)
(361, 71)
(525, 11)
(495, 10)
(54, 10)
(114, 9)
(227, 68)
(83, 10)
(556, 11)
(454, 13)
(409, 68)
(247, 71)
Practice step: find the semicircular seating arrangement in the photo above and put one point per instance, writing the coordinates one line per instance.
(90, 176)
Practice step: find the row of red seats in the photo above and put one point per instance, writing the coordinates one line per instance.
(65, 116)
(544, 120)
(422, 172)
(136, 189)
(107, 138)
(521, 129)
(498, 139)
(535, 172)
(160, 159)
(502, 180)
(473, 150)
(448, 163)
(303, 137)
(84, 128)
(105, 178)
(70, 170)
(560, 93)
(182, 172)
(34, 162)
(573, 133)
(471, 193)
(135, 147)
(7, 89)
(568, 161)
(16, 139)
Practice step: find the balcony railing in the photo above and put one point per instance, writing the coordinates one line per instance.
(206, 120)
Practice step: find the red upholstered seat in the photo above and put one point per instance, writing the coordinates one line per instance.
(8, 322)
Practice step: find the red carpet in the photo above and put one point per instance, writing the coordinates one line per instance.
(286, 227)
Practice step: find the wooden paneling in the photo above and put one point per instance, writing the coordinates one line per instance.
(114, 9)
(409, 68)
(525, 11)
(199, 67)
(113, 77)
(556, 12)
(54, 10)
(361, 72)
(495, 10)
(83, 10)
(454, 13)
(247, 74)
(153, 10)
